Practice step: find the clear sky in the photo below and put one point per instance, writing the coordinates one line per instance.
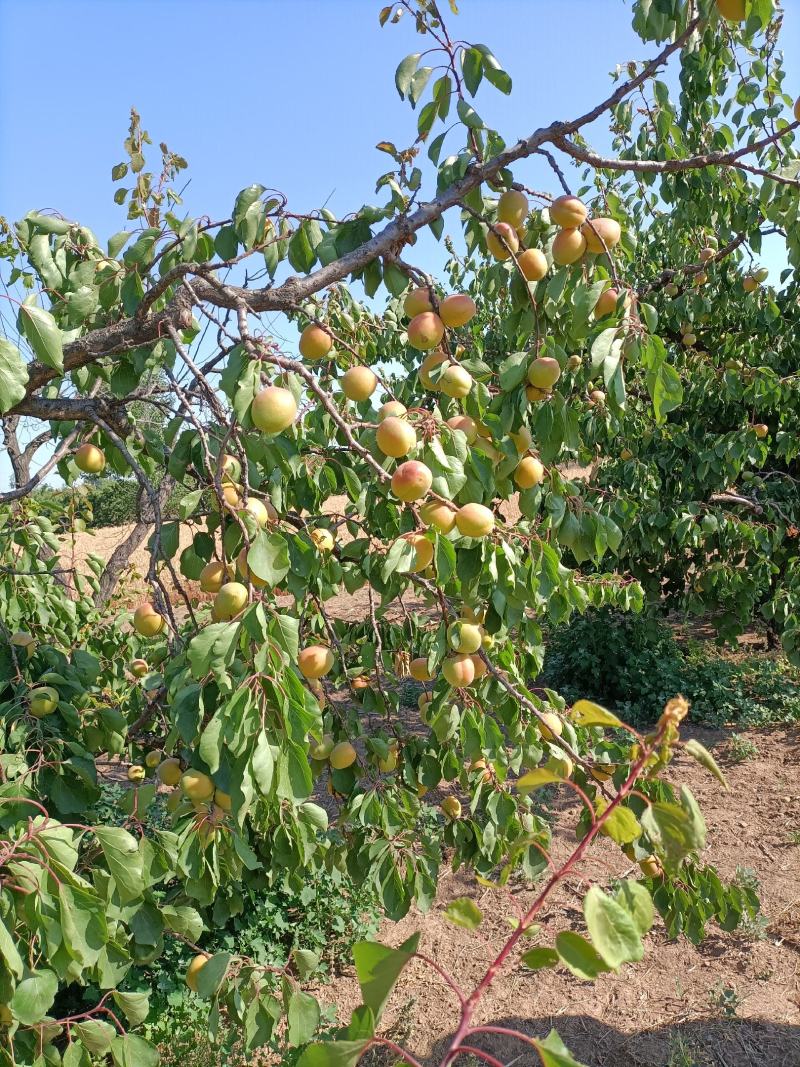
(293, 94)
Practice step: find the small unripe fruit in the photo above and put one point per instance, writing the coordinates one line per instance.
(359, 383)
(213, 576)
(600, 233)
(733, 10)
(464, 637)
(90, 459)
(550, 725)
(262, 511)
(360, 682)
(467, 426)
(323, 539)
(474, 520)
(451, 806)
(574, 362)
(749, 283)
(388, 762)
(136, 774)
(168, 771)
(671, 290)
(273, 409)
(523, 439)
(533, 264)
(606, 304)
(797, 109)
(139, 668)
(431, 361)
(320, 750)
(315, 661)
(315, 343)
(455, 382)
(761, 430)
(391, 408)
(418, 669)
(500, 239)
(153, 758)
(689, 339)
(706, 255)
(25, 642)
(598, 397)
(479, 665)
(458, 671)
(425, 331)
(222, 800)
(568, 247)
(512, 208)
(43, 701)
(423, 551)
(567, 212)
(395, 437)
(342, 755)
(762, 273)
(196, 785)
(473, 614)
(529, 472)
(457, 310)
(650, 867)
(230, 600)
(411, 480)
(699, 279)
(560, 765)
(417, 302)
(544, 372)
(231, 467)
(230, 494)
(194, 969)
(437, 514)
(147, 621)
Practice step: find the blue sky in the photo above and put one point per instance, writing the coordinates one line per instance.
(290, 93)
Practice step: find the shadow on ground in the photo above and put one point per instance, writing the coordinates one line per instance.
(711, 1042)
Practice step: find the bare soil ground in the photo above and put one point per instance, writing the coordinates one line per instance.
(733, 1001)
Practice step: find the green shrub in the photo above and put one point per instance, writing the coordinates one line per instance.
(634, 664)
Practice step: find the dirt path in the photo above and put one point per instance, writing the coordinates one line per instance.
(734, 1001)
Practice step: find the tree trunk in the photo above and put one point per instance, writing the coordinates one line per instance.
(121, 555)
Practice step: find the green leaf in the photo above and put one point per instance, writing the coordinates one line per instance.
(333, 1054)
(131, 1050)
(472, 66)
(636, 900)
(268, 557)
(305, 961)
(587, 713)
(553, 1052)
(121, 851)
(468, 115)
(405, 72)
(136, 1006)
(512, 370)
(13, 376)
(675, 830)
(579, 955)
(182, 920)
(302, 1017)
(378, 967)
(464, 912)
(611, 928)
(263, 764)
(705, 759)
(9, 952)
(96, 1035)
(538, 958)
(34, 997)
(621, 826)
(39, 327)
(536, 778)
(493, 72)
(212, 974)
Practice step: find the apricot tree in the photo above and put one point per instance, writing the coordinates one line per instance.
(557, 338)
